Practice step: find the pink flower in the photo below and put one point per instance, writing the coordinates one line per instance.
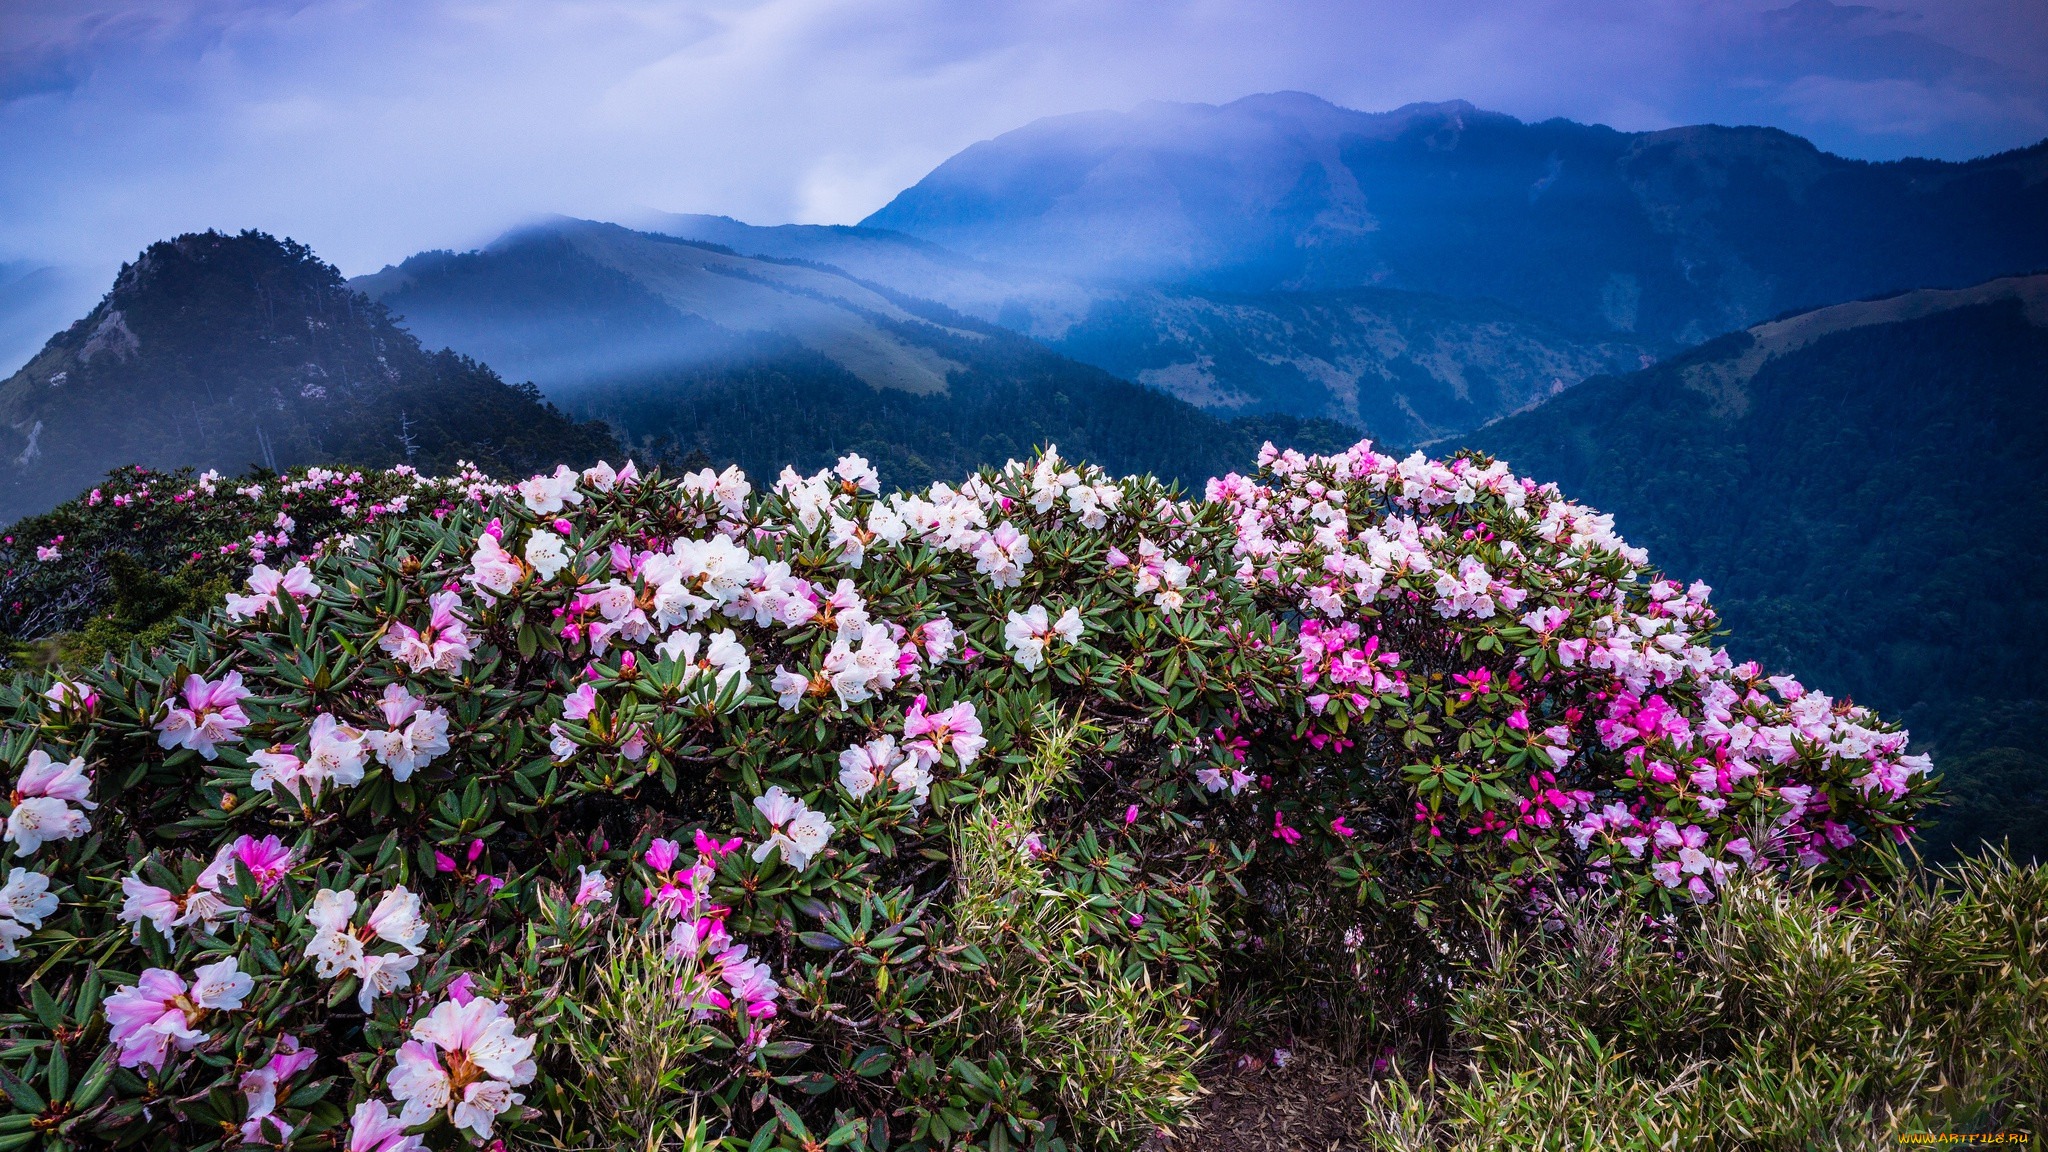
(577, 705)
(1130, 815)
(266, 584)
(64, 694)
(211, 715)
(1340, 828)
(464, 1059)
(158, 1011)
(751, 983)
(259, 1088)
(149, 1017)
(374, 1129)
(592, 887)
(42, 800)
(956, 728)
(442, 646)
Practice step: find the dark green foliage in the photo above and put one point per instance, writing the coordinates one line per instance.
(1868, 510)
(785, 405)
(225, 351)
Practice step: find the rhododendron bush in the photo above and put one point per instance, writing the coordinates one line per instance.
(333, 868)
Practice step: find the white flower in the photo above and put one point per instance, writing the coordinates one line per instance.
(11, 934)
(413, 747)
(600, 476)
(26, 897)
(858, 674)
(221, 986)
(794, 828)
(851, 540)
(546, 495)
(789, 687)
(40, 819)
(545, 552)
(381, 975)
(1027, 633)
(398, 919)
(1002, 555)
(494, 571)
(913, 775)
(335, 752)
(334, 948)
(725, 657)
(855, 470)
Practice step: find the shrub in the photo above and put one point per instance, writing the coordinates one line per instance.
(125, 561)
(349, 860)
(1782, 1020)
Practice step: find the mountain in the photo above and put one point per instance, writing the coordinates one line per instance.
(222, 351)
(1861, 485)
(1407, 366)
(572, 301)
(1666, 237)
(687, 347)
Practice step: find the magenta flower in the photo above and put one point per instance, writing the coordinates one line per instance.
(267, 859)
(662, 855)
(1281, 832)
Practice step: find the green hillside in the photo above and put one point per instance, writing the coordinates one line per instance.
(1861, 486)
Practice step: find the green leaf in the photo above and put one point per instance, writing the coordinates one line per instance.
(873, 1062)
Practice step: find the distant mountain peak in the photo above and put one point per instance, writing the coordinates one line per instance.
(246, 349)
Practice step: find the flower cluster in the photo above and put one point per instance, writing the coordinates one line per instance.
(372, 811)
(41, 804)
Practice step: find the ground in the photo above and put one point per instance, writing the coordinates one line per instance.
(1309, 1104)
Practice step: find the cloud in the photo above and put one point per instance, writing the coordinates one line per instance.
(372, 128)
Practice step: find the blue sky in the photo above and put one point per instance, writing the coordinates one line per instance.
(372, 130)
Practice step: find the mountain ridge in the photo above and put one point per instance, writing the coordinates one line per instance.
(1674, 235)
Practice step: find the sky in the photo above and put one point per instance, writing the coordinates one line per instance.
(372, 129)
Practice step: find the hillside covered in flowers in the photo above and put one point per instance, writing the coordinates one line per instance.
(612, 808)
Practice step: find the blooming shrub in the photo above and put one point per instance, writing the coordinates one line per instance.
(168, 539)
(333, 867)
